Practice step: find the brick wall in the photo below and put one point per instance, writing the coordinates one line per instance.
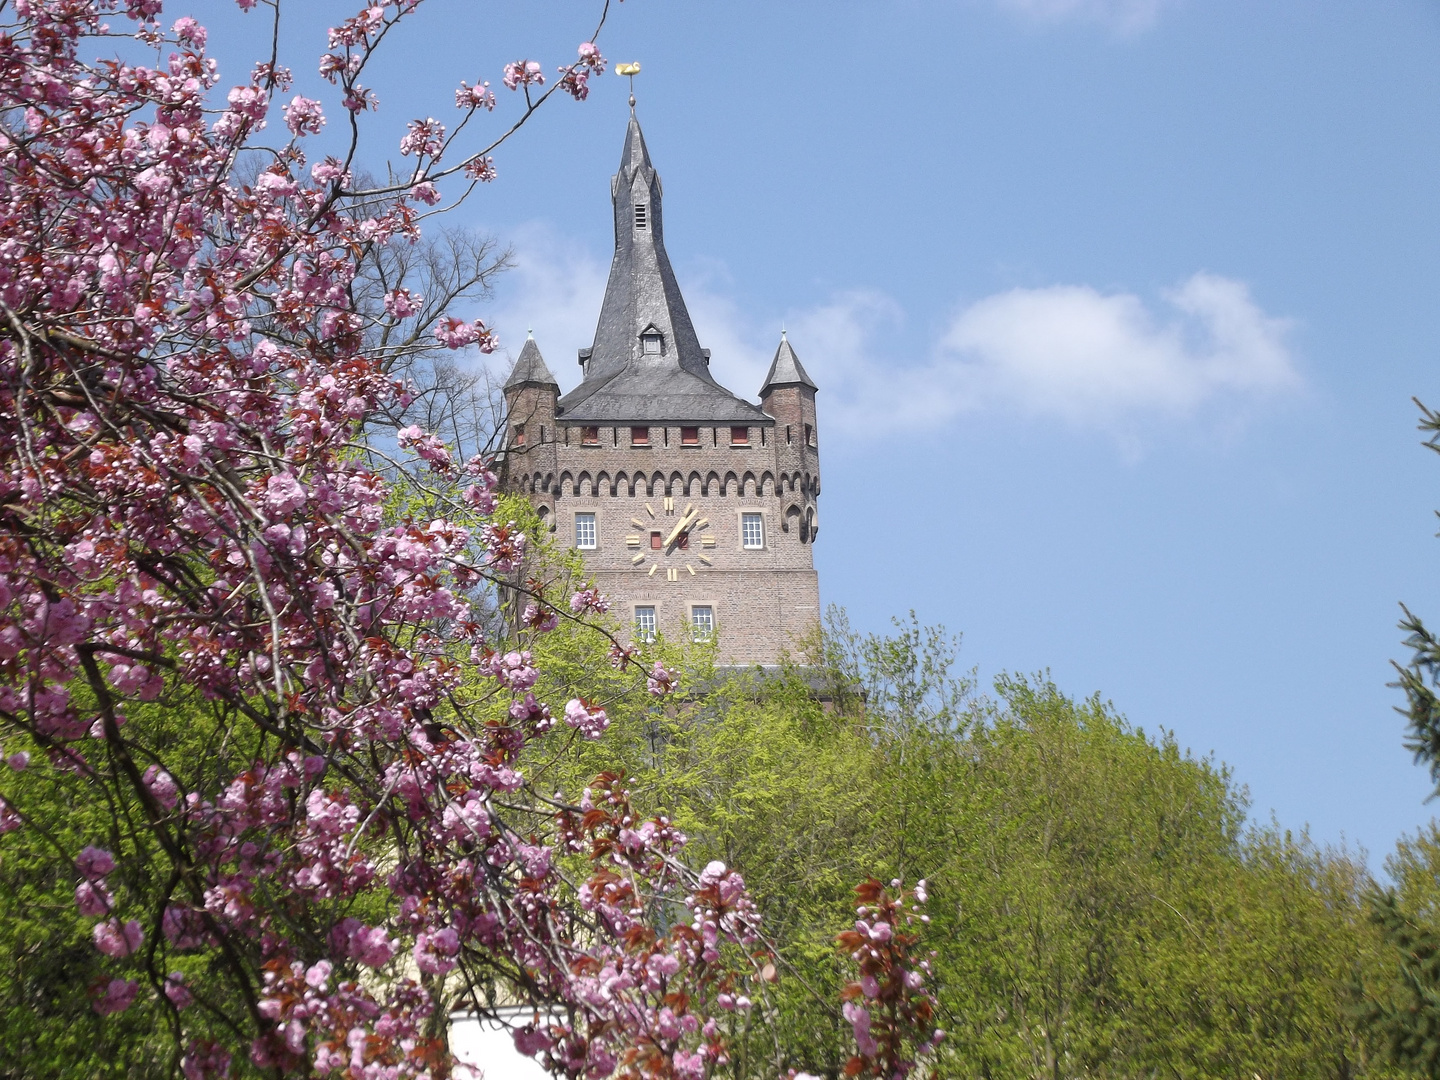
(761, 599)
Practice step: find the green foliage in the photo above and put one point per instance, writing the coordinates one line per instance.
(1099, 906)
(1420, 678)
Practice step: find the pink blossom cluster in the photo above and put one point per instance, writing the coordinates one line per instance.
(890, 1010)
(575, 79)
(523, 73)
(189, 519)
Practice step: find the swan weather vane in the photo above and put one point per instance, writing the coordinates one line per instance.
(631, 70)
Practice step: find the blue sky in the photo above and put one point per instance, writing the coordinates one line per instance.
(1116, 307)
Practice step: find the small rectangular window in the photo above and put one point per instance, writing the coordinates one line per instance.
(639, 436)
(702, 619)
(788, 440)
(650, 344)
(519, 434)
(689, 436)
(739, 436)
(640, 215)
(645, 623)
(809, 435)
(752, 531)
(585, 531)
(590, 436)
(656, 541)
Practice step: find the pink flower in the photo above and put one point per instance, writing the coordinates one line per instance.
(481, 167)
(474, 97)
(531, 1041)
(177, 992)
(434, 952)
(586, 717)
(426, 193)
(587, 600)
(93, 898)
(425, 138)
(284, 493)
(303, 116)
(113, 939)
(541, 620)
(187, 29)
(456, 334)
(115, 996)
(18, 760)
(402, 303)
(662, 680)
(94, 863)
(162, 786)
(318, 974)
(522, 73)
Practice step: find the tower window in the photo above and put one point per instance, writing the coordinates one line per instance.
(809, 435)
(645, 623)
(650, 344)
(641, 215)
(590, 436)
(702, 621)
(689, 436)
(656, 541)
(639, 436)
(585, 531)
(519, 434)
(739, 436)
(788, 440)
(752, 532)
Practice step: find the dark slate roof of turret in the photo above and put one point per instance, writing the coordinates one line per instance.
(530, 368)
(785, 370)
(621, 381)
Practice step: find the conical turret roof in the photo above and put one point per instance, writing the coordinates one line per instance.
(646, 362)
(785, 369)
(530, 368)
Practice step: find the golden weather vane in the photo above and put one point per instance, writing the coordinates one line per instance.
(631, 69)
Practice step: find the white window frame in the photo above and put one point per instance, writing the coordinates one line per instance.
(746, 518)
(594, 523)
(695, 628)
(645, 631)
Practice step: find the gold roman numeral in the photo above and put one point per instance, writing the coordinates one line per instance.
(672, 573)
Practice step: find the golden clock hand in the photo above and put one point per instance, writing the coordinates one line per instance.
(680, 526)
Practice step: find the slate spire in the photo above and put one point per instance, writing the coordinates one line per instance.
(530, 369)
(642, 297)
(785, 369)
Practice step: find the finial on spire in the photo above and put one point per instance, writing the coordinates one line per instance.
(631, 70)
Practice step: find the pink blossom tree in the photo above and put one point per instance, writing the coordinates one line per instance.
(193, 523)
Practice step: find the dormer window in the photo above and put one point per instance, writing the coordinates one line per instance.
(650, 343)
(641, 215)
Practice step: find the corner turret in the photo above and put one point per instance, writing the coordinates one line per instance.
(788, 394)
(531, 394)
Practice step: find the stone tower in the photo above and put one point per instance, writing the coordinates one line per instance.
(694, 510)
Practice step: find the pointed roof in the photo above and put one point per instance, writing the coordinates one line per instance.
(530, 369)
(785, 369)
(623, 378)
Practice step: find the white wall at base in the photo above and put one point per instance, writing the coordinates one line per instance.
(486, 1046)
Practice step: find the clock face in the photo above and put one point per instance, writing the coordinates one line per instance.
(665, 542)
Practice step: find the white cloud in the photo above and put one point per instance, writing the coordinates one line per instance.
(1108, 362)
(1095, 359)
(555, 289)
(1124, 16)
